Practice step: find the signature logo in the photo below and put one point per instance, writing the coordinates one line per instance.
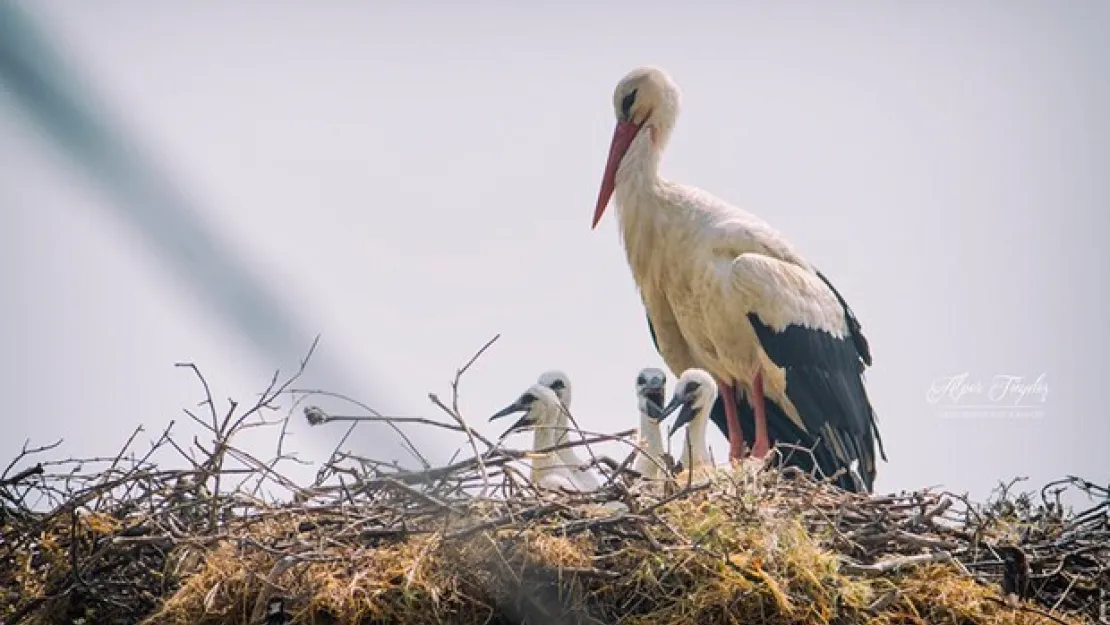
(1002, 395)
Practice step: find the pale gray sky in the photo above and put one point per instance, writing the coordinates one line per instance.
(413, 181)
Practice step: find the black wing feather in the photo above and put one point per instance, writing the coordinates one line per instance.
(781, 429)
(818, 461)
(824, 384)
(855, 330)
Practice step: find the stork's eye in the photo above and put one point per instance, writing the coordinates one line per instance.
(558, 385)
(527, 399)
(691, 388)
(641, 381)
(626, 104)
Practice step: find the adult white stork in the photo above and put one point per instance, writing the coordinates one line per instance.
(651, 390)
(545, 414)
(727, 293)
(695, 393)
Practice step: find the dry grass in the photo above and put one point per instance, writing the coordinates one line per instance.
(473, 543)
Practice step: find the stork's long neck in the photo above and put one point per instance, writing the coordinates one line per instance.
(548, 433)
(654, 211)
(561, 434)
(568, 461)
(642, 207)
(652, 439)
(638, 177)
(694, 450)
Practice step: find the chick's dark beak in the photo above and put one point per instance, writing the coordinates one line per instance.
(654, 403)
(685, 415)
(675, 402)
(508, 410)
(524, 421)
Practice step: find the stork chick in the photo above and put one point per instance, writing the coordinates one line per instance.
(559, 382)
(694, 395)
(544, 414)
(651, 387)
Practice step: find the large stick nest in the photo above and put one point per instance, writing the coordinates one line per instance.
(127, 541)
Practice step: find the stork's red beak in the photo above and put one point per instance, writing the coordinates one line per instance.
(623, 135)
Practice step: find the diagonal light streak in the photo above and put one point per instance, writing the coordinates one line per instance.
(170, 225)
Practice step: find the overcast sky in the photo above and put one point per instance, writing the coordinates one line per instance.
(413, 181)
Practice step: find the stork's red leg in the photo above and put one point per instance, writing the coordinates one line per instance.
(735, 436)
(762, 440)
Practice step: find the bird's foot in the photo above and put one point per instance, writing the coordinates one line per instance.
(736, 459)
(761, 449)
(749, 467)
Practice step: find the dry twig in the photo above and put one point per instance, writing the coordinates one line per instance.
(120, 539)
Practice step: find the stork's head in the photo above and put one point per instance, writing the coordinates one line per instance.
(651, 387)
(695, 393)
(559, 382)
(646, 102)
(539, 405)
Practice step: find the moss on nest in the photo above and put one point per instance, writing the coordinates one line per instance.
(745, 549)
(133, 542)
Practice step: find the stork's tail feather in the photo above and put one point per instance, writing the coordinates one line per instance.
(838, 400)
(797, 448)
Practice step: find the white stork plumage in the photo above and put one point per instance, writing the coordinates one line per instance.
(694, 396)
(559, 382)
(727, 293)
(545, 414)
(651, 389)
